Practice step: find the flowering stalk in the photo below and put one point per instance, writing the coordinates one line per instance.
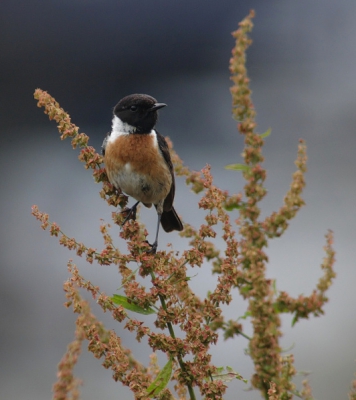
(264, 307)
(239, 269)
(352, 393)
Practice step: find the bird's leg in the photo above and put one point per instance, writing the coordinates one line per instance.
(155, 243)
(131, 213)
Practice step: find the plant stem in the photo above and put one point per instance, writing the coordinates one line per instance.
(173, 336)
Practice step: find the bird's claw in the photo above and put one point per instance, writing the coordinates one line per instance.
(129, 213)
(153, 248)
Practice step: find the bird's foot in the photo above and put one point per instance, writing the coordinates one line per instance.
(129, 213)
(153, 248)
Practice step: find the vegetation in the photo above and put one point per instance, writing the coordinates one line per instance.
(185, 325)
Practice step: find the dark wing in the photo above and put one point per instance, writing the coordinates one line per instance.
(103, 146)
(163, 146)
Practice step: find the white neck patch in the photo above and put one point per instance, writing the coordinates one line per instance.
(119, 128)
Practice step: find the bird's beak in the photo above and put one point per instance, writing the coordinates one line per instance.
(157, 106)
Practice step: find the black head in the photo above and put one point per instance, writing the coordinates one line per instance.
(138, 110)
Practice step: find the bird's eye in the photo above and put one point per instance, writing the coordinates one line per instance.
(133, 108)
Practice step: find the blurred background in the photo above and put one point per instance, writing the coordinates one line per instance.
(88, 55)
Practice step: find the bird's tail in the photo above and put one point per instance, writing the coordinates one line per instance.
(170, 221)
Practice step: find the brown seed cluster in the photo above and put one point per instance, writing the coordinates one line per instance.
(185, 325)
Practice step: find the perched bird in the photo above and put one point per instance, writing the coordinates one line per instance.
(137, 160)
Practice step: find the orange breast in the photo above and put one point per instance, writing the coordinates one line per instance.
(134, 163)
(140, 150)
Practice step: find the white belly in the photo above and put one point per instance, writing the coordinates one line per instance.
(142, 187)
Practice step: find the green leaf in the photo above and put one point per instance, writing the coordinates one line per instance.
(266, 134)
(162, 380)
(227, 374)
(129, 305)
(274, 286)
(233, 207)
(295, 319)
(280, 307)
(238, 167)
(246, 315)
(245, 289)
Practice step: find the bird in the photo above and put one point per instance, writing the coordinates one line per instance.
(137, 160)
